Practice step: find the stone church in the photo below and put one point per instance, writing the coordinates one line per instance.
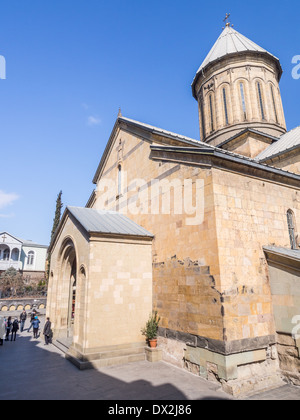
(204, 232)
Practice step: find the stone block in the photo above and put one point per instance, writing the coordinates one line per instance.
(153, 355)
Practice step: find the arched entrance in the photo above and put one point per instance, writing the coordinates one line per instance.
(69, 283)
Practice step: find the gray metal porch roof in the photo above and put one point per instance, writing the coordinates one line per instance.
(107, 222)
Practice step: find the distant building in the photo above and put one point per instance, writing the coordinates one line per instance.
(23, 255)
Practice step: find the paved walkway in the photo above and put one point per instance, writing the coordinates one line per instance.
(29, 370)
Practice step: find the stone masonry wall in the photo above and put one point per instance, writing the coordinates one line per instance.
(176, 241)
(285, 287)
(250, 213)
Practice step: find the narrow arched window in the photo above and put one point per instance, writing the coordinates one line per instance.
(260, 99)
(292, 229)
(225, 106)
(274, 104)
(211, 113)
(119, 180)
(243, 101)
(30, 258)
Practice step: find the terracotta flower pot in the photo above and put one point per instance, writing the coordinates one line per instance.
(153, 343)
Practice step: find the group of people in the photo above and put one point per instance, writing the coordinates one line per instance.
(9, 327)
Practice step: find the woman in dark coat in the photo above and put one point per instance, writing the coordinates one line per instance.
(47, 332)
(15, 327)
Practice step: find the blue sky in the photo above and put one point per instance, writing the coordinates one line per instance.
(71, 64)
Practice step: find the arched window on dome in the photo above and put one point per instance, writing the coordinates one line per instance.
(274, 104)
(225, 102)
(243, 100)
(211, 113)
(260, 100)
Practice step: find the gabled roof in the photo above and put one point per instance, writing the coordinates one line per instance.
(28, 243)
(286, 143)
(107, 222)
(161, 131)
(14, 237)
(182, 141)
(24, 242)
(151, 131)
(251, 131)
(102, 222)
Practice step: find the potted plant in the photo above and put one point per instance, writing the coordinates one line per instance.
(151, 328)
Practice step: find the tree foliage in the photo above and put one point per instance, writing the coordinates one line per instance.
(11, 282)
(56, 220)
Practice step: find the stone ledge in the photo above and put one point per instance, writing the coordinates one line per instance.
(225, 348)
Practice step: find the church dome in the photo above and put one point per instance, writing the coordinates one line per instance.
(237, 87)
(231, 42)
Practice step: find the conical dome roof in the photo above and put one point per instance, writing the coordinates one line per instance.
(232, 42)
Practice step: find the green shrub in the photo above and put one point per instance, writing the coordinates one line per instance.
(151, 328)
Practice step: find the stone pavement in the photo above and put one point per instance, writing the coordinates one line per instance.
(29, 370)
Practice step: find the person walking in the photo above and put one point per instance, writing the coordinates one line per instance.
(47, 332)
(23, 318)
(15, 327)
(35, 325)
(33, 314)
(8, 328)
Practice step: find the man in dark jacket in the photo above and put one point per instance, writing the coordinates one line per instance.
(23, 318)
(47, 332)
